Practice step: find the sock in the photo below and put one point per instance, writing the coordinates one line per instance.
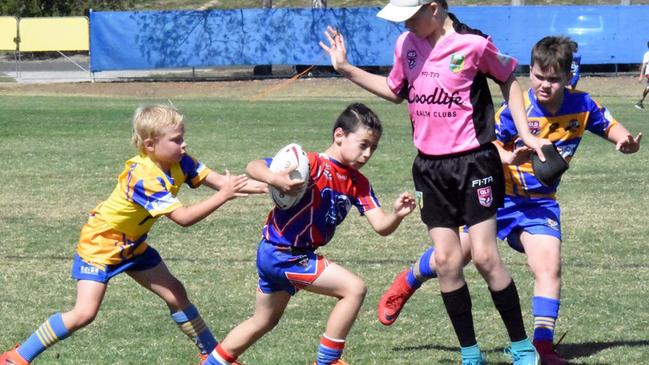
(424, 269)
(509, 307)
(192, 324)
(458, 307)
(49, 333)
(330, 350)
(545, 311)
(220, 357)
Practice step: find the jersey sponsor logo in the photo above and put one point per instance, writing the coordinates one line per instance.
(411, 55)
(431, 74)
(439, 97)
(457, 62)
(484, 181)
(485, 197)
(427, 114)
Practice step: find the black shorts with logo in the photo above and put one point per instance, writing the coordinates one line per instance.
(458, 189)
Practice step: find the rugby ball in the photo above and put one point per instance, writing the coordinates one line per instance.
(294, 155)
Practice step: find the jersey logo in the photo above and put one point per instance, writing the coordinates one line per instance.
(485, 197)
(457, 62)
(412, 59)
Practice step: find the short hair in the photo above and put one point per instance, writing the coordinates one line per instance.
(441, 3)
(553, 51)
(356, 115)
(150, 120)
(647, 44)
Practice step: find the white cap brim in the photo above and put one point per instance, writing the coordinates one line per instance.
(398, 14)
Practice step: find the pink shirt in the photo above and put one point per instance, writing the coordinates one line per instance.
(448, 97)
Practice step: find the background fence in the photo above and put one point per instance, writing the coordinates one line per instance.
(142, 40)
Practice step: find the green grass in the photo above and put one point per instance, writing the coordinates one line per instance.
(61, 156)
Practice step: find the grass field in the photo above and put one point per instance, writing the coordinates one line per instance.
(61, 153)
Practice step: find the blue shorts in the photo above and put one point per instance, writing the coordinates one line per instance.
(83, 270)
(534, 216)
(286, 268)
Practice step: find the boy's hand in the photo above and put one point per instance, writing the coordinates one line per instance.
(282, 181)
(336, 48)
(630, 144)
(518, 156)
(232, 185)
(404, 204)
(535, 143)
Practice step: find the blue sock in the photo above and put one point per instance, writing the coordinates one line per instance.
(329, 350)
(424, 270)
(191, 323)
(49, 333)
(545, 311)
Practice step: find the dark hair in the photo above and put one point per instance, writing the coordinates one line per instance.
(647, 44)
(442, 3)
(553, 51)
(354, 116)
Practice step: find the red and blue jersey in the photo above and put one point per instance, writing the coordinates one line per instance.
(578, 113)
(332, 190)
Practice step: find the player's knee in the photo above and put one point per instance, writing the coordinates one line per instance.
(447, 261)
(177, 296)
(486, 262)
(356, 289)
(81, 317)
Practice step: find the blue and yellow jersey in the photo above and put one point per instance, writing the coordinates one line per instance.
(117, 227)
(578, 113)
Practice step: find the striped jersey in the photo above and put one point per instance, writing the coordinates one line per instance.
(143, 193)
(578, 113)
(332, 190)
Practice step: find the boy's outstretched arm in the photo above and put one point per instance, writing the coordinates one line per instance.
(376, 84)
(216, 180)
(187, 216)
(385, 223)
(513, 95)
(624, 141)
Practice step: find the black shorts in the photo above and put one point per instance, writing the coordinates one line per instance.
(458, 189)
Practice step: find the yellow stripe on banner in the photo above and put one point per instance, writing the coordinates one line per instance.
(54, 34)
(8, 31)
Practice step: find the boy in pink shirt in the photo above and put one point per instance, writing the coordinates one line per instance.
(441, 68)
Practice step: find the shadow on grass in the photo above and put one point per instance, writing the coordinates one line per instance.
(569, 351)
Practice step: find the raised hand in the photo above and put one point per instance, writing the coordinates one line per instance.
(336, 48)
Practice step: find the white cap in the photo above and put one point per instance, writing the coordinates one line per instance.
(401, 10)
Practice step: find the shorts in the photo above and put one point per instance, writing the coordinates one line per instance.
(534, 216)
(84, 270)
(464, 188)
(286, 268)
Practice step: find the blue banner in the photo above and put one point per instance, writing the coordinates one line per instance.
(180, 39)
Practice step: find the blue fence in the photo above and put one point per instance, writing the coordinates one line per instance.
(178, 39)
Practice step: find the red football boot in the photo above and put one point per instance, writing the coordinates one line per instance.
(547, 353)
(393, 300)
(12, 357)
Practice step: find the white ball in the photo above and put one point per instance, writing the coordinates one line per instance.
(292, 154)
